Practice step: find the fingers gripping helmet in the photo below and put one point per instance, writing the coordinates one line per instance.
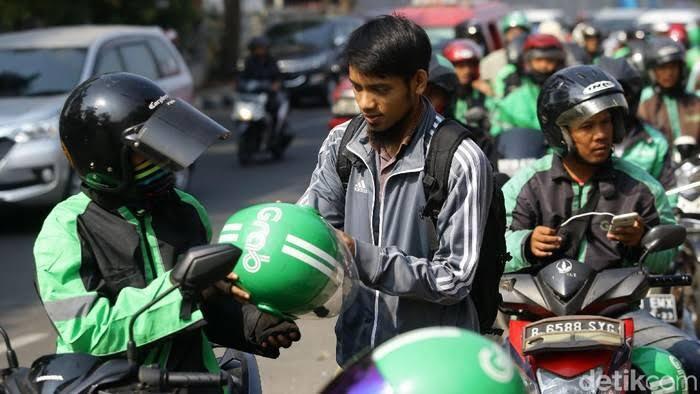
(432, 360)
(292, 263)
(574, 94)
(107, 117)
(515, 19)
(630, 79)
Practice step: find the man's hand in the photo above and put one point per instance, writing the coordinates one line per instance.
(227, 287)
(347, 240)
(267, 332)
(543, 241)
(630, 236)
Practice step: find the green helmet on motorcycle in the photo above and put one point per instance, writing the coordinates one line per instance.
(664, 373)
(515, 19)
(431, 360)
(292, 263)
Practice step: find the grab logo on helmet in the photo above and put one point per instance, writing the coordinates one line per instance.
(256, 240)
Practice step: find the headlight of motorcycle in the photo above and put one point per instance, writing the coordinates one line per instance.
(551, 383)
(46, 128)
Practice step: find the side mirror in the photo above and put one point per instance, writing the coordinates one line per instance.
(201, 266)
(662, 237)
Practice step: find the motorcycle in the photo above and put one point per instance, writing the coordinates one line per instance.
(84, 373)
(259, 130)
(566, 335)
(687, 211)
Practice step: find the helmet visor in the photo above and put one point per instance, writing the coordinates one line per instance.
(175, 135)
(582, 111)
(362, 377)
(340, 291)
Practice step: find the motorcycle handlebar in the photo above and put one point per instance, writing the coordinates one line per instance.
(162, 378)
(670, 280)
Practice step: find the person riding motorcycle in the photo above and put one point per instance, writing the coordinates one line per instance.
(465, 55)
(106, 252)
(642, 144)
(543, 54)
(431, 360)
(513, 25)
(667, 106)
(443, 85)
(582, 112)
(591, 42)
(260, 65)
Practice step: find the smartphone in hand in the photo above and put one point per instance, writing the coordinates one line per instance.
(625, 220)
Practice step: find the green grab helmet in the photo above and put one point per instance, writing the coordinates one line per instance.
(292, 264)
(515, 19)
(445, 360)
(664, 372)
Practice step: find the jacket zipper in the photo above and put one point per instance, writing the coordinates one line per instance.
(144, 241)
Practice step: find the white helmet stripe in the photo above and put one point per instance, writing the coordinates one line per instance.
(228, 238)
(232, 227)
(313, 249)
(308, 260)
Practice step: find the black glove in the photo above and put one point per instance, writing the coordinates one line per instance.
(258, 326)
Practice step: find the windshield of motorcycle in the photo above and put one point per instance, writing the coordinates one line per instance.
(362, 377)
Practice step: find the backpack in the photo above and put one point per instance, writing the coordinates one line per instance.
(493, 254)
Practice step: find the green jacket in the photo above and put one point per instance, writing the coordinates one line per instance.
(516, 110)
(97, 265)
(647, 147)
(544, 194)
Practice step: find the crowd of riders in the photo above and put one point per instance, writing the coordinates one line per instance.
(409, 194)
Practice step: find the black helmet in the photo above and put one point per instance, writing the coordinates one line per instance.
(106, 117)
(630, 79)
(473, 31)
(578, 92)
(590, 31)
(662, 50)
(258, 42)
(442, 74)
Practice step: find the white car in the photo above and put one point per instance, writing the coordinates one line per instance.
(38, 68)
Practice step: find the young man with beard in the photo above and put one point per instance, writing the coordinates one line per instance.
(582, 112)
(379, 209)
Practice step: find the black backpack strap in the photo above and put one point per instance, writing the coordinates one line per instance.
(345, 159)
(436, 172)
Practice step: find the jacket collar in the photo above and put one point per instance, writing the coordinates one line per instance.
(412, 157)
(604, 176)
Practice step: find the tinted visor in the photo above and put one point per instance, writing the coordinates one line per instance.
(175, 135)
(361, 377)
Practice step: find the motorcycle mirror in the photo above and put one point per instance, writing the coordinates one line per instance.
(198, 268)
(201, 266)
(663, 237)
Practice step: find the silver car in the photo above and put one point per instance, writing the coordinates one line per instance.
(38, 68)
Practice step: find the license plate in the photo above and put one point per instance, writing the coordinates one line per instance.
(573, 325)
(661, 306)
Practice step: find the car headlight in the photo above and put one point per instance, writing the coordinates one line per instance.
(46, 128)
(551, 383)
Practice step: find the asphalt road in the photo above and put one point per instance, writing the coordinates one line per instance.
(223, 187)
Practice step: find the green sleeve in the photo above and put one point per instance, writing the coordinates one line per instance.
(84, 320)
(659, 262)
(518, 109)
